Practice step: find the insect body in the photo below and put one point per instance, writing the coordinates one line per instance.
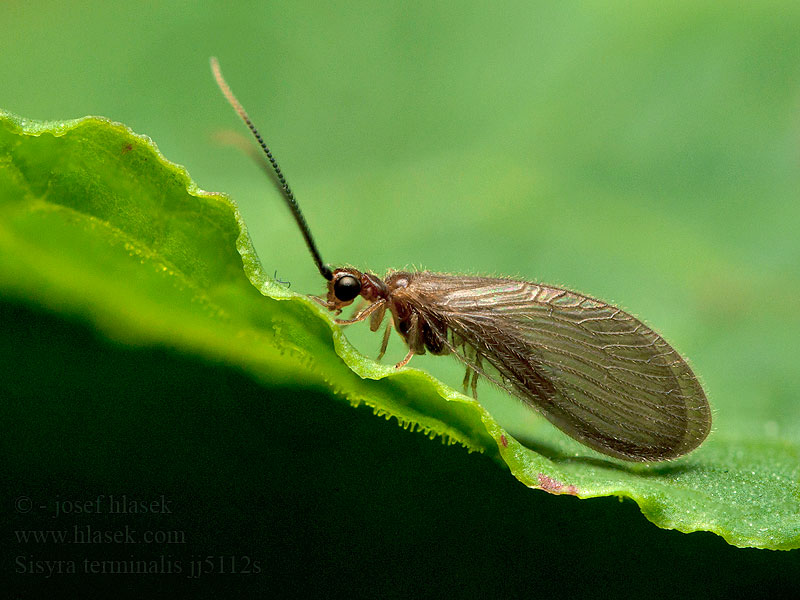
(594, 371)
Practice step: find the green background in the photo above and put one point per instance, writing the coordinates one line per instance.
(645, 156)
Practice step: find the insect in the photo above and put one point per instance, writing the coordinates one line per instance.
(594, 371)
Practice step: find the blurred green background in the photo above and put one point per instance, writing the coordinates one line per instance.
(646, 155)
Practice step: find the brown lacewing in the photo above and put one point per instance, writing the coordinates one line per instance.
(594, 371)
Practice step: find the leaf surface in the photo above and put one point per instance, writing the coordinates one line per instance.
(95, 224)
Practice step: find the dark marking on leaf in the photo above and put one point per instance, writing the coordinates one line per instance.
(288, 284)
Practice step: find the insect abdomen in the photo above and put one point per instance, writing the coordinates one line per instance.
(434, 334)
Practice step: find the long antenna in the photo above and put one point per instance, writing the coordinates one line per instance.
(324, 269)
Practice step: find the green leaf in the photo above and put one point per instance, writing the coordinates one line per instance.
(96, 225)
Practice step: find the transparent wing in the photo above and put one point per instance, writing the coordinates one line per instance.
(596, 372)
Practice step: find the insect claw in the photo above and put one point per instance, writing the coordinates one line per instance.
(404, 362)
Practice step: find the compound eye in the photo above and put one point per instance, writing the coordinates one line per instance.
(346, 288)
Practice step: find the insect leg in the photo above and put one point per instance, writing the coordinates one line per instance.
(360, 306)
(404, 362)
(465, 383)
(413, 339)
(377, 318)
(385, 343)
(361, 315)
(475, 377)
